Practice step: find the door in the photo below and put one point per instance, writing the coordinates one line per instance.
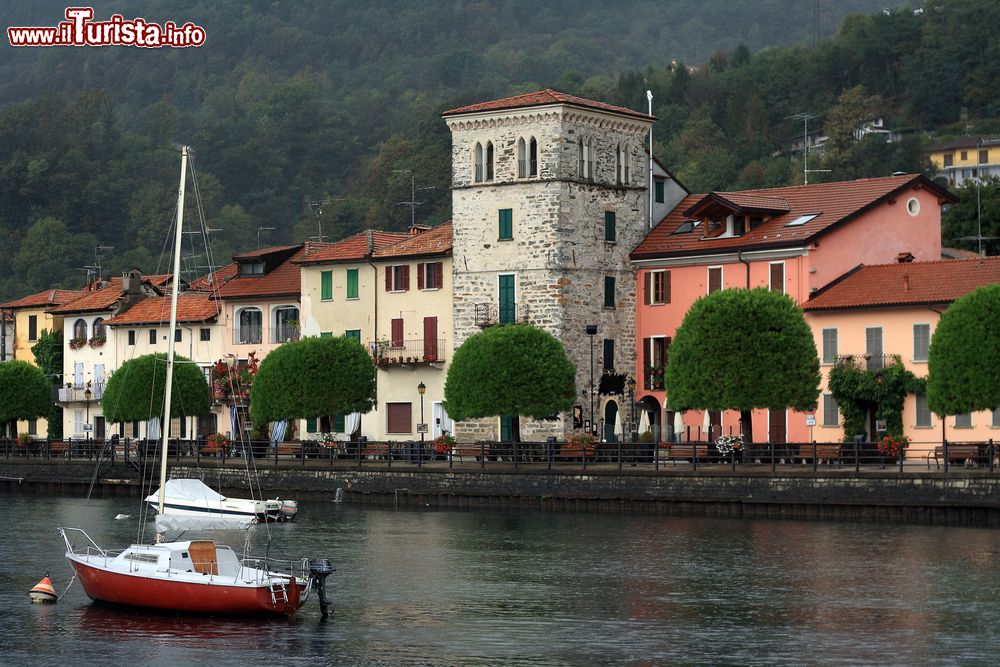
(506, 428)
(610, 420)
(430, 339)
(99, 428)
(442, 422)
(78, 374)
(715, 424)
(777, 432)
(506, 294)
(98, 380)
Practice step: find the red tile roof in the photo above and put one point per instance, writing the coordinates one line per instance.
(542, 98)
(214, 279)
(436, 241)
(50, 297)
(748, 201)
(916, 283)
(956, 253)
(835, 203)
(156, 310)
(354, 248)
(281, 281)
(93, 300)
(250, 254)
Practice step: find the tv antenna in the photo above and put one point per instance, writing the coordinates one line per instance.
(413, 203)
(805, 117)
(94, 271)
(317, 208)
(259, 229)
(978, 238)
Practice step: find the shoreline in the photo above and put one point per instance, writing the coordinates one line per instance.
(965, 498)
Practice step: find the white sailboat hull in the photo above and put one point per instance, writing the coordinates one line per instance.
(192, 498)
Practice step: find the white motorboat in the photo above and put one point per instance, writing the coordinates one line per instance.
(192, 497)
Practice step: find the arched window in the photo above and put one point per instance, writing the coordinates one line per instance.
(583, 158)
(489, 161)
(99, 329)
(479, 162)
(522, 159)
(285, 324)
(625, 157)
(618, 164)
(250, 324)
(80, 329)
(586, 151)
(533, 158)
(621, 165)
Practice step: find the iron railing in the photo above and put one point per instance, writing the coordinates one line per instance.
(398, 352)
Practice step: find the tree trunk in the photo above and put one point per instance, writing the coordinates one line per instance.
(515, 427)
(746, 428)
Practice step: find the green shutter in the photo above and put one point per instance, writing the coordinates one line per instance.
(326, 334)
(311, 425)
(353, 333)
(609, 291)
(352, 283)
(506, 428)
(326, 285)
(506, 224)
(507, 304)
(338, 423)
(610, 234)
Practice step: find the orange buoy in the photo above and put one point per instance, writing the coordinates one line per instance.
(43, 591)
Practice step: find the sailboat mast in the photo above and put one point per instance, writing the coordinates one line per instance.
(175, 288)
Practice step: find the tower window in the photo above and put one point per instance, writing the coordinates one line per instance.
(533, 158)
(506, 220)
(610, 231)
(478, 162)
(489, 161)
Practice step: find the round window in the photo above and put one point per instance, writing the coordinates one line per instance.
(913, 206)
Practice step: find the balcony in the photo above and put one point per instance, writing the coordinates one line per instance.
(78, 393)
(652, 378)
(386, 354)
(866, 362)
(488, 314)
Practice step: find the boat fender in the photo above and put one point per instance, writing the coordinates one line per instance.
(43, 591)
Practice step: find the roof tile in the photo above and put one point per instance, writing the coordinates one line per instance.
(541, 98)
(354, 247)
(283, 280)
(50, 297)
(156, 310)
(436, 241)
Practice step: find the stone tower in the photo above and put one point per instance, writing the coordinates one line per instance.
(549, 196)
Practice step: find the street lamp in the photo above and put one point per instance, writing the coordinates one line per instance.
(87, 395)
(631, 401)
(421, 389)
(592, 331)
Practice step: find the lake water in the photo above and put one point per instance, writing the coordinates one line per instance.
(433, 587)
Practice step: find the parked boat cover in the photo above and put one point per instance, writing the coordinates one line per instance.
(188, 489)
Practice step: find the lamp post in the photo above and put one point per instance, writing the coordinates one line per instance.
(592, 331)
(421, 427)
(87, 395)
(631, 401)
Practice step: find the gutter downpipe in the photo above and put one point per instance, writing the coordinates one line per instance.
(739, 257)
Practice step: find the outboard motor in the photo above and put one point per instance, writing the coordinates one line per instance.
(319, 570)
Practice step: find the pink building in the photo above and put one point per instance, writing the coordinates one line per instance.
(793, 240)
(877, 312)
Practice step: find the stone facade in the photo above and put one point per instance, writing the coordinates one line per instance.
(558, 253)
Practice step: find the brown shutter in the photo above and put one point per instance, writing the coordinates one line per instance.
(420, 276)
(666, 351)
(399, 417)
(406, 277)
(397, 332)
(388, 279)
(666, 287)
(430, 338)
(439, 271)
(777, 277)
(647, 381)
(647, 297)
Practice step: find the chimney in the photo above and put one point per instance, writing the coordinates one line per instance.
(906, 282)
(905, 257)
(417, 229)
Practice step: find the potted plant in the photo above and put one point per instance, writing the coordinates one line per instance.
(98, 341)
(443, 444)
(728, 445)
(23, 440)
(77, 343)
(891, 446)
(215, 443)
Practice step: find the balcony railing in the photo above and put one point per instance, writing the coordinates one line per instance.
(79, 393)
(401, 352)
(866, 362)
(653, 379)
(488, 314)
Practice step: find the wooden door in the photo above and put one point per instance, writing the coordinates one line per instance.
(776, 426)
(430, 339)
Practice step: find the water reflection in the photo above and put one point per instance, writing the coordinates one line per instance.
(489, 587)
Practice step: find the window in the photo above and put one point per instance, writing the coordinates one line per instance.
(354, 334)
(339, 424)
(778, 277)
(801, 220)
(522, 159)
(621, 165)
(921, 341)
(873, 347)
(326, 334)
(430, 275)
(831, 416)
(506, 223)
(286, 324)
(352, 283)
(152, 336)
(657, 288)
(131, 336)
(949, 159)
(252, 269)
(658, 191)
(80, 329)
(586, 154)
(609, 354)
(533, 157)
(964, 156)
(963, 421)
(714, 279)
(984, 156)
(399, 417)
(311, 425)
(829, 346)
(618, 165)
(506, 428)
(326, 285)
(686, 227)
(610, 233)
(996, 418)
(396, 328)
(489, 161)
(609, 291)
(206, 335)
(923, 416)
(32, 427)
(478, 177)
(397, 278)
(99, 330)
(251, 322)
(177, 335)
(32, 327)
(913, 206)
(507, 299)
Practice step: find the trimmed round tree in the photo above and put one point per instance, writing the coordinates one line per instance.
(963, 364)
(513, 369)
(313, 377)
(25, 393)
(740, 349)
(139, 386)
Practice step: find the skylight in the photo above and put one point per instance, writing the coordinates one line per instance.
(802, 219)
(686, 227)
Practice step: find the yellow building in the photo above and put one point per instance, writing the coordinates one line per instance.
(32, 316)
(968, 157)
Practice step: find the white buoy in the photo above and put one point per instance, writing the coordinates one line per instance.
(43, 591)
(123, 516)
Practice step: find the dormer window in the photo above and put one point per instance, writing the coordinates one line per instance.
(252, 268)
(686, 227)
(802, 219)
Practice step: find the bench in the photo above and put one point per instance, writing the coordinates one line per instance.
(575, 453)
(685, 452)
(293, 449)
(58, 448)
(376, 450)
(461, 453)
(826, 451)
(970, 455)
